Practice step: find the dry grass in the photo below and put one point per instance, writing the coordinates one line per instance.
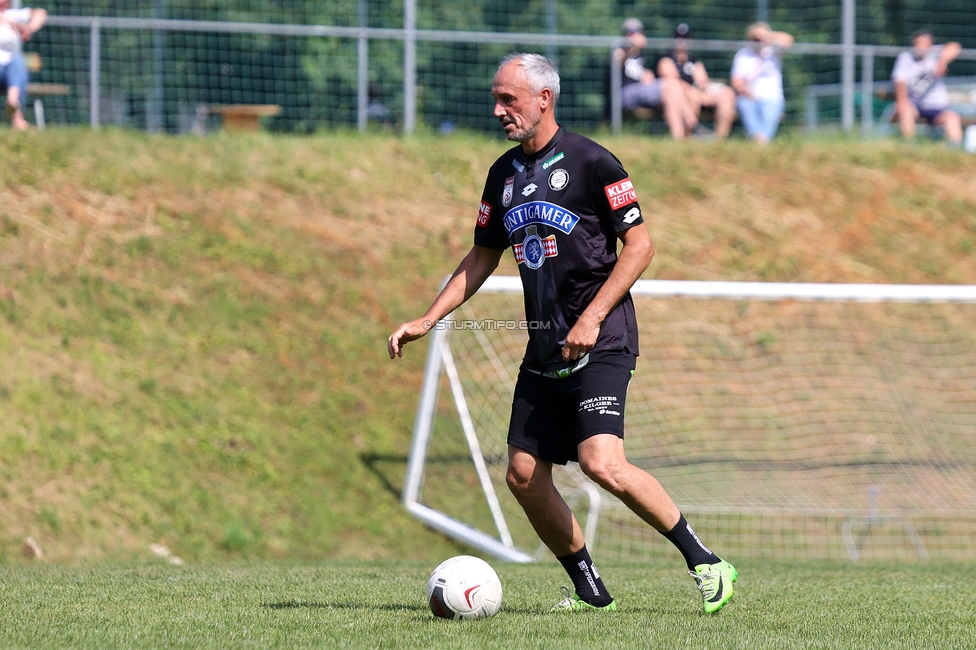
(192, 331)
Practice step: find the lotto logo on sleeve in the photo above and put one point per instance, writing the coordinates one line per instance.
(620, 193)
(483, 213)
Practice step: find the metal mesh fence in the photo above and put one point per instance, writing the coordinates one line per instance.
(332, 64)
(782, 428)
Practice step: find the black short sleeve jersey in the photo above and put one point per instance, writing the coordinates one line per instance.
(561, 210)
(686, 70)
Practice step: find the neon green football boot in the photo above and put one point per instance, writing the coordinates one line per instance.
(573, 603)
(715, 584)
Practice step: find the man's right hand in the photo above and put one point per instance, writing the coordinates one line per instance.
(407, 332)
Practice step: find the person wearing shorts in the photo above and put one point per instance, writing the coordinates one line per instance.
(562, 203)
(920, 92)
(640, 88)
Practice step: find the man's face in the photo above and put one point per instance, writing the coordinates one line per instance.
(920, 46)
(517, 108)
(758, 37)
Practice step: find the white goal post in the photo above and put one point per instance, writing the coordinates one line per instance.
(785, 419)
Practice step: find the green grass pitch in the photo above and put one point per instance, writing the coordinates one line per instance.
(381, 604)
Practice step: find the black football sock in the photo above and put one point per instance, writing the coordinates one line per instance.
(586, 579)
(685, 539)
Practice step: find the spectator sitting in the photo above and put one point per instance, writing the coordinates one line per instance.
(16, 27)
(641, 89)
(757, 77)
(699, 89)
(919, 89)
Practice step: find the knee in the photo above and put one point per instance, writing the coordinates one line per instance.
(522, 480)
(605, 472)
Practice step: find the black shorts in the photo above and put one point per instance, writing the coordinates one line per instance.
(551, 416)
(930, 115)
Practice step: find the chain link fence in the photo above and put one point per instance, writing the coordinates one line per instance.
(165, 65)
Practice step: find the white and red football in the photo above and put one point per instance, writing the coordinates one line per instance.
(464, 588)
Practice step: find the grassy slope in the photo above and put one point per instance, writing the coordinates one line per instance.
(192, 331)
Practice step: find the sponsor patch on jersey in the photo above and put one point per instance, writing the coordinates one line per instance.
(534, 250)
(552, 161)
(540, 213)
(484, 213)
(508, 191)
(558, 179)
(620, 193)
(529, 189)
(519, 167)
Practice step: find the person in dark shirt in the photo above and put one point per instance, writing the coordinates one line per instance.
(562, 202)
(640, 88)
(701, 91)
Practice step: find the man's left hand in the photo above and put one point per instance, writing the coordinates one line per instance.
(581, 338)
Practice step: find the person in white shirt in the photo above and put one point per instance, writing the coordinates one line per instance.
(16, 27)
(920, 92)
(757, 77)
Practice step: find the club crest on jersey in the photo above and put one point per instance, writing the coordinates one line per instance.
(484, 213)
(534, 250)
(508, 191)
(620, 193)
(558, 179)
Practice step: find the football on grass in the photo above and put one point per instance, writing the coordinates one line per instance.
(464, 587)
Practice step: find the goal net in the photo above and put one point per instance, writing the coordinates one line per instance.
(785, 420)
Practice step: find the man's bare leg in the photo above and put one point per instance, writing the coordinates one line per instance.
(14, 109)
(724, 111)
(530, 480)
(952, 124)
(603, 460)
(677, 112)
(907, 114)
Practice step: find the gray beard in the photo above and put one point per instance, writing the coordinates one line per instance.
(522, 136)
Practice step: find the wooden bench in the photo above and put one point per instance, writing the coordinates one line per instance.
(244, 117)
(33, 62)
(962, 100)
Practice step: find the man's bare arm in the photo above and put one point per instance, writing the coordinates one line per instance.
(471, 273)
(949, 53)
(636, 254)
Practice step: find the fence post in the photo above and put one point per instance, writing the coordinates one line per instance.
(847, 66)
(95, 73)
(867, 93)
(616, 83)
(410, 66)
(154, 114)
(762, 11)
(362, 69)
(810, 111)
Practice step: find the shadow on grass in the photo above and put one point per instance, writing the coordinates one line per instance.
(391, 468)
(387, 468)
(392, 607)
(303, 604)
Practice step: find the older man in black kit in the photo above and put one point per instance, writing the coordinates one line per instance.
(562, 202)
